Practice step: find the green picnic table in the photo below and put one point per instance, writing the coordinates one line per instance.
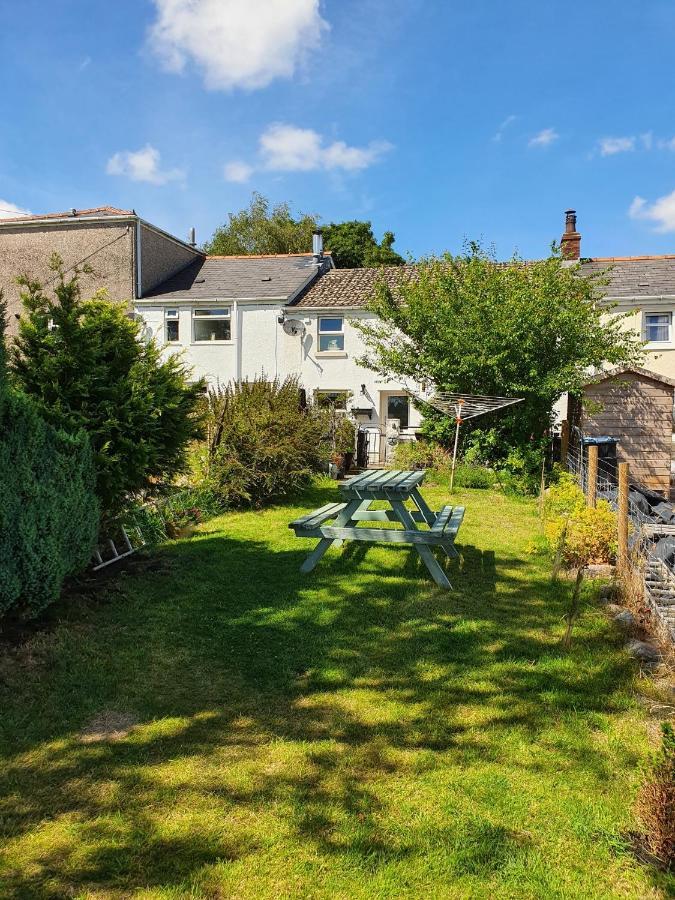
(395, 487)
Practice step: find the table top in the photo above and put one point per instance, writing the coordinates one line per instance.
(377, 481)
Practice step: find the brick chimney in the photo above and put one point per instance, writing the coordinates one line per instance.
(570, 242)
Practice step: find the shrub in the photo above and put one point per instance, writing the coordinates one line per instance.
(474, 476)
(564, 498)
(48, 509)
(591, 536)
(86, 365)
(263, 444)
(656, 802)
(421, 455)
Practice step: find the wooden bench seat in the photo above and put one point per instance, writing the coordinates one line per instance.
(448, 521)
(318, 517)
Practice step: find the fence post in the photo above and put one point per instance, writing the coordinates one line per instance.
(592, 486)
(622, 518)
(564, 443)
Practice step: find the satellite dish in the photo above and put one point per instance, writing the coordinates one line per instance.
(294, 327)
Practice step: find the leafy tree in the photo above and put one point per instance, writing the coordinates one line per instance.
(86, 365)
(262, 229)
(469, 324)
(353, 245)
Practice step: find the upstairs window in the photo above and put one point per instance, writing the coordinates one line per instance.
(657, 327)
(331, 335)
(211, 325)
(171, 326)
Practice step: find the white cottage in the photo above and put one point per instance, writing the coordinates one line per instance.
(237, 317)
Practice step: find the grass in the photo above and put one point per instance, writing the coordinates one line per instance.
(352, 733)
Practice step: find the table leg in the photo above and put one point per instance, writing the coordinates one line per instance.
(422, 505)
(424, 550)
(429, 517)
(345, 518)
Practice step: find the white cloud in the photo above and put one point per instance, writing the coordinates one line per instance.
(668, 144)
(285, 148)
(545, 137)
(661, 212)
(609, 146)
(499, 134)
(237, 171)
(647, 139)
(236, 43)
(11, 210)
(142, 165)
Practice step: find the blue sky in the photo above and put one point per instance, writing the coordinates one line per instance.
(438, 120)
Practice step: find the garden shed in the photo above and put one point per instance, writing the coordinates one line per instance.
(635, 406)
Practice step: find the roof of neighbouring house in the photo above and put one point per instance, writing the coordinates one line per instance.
(239, 277)
(634, 276)
(95, 212)
(351, 287)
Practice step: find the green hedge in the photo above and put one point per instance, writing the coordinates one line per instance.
(48, 510)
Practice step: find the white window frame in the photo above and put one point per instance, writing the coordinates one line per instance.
(333, 333)
(658, 312)
(225, 316)
(171, 314)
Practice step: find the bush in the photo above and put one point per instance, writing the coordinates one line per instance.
(421, 455)
(48, 509)
(263, 444)
(85, 363)
(474, 476)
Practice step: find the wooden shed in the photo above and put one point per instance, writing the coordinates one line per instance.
(635, 406)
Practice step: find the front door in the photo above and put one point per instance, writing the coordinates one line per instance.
(395, 416)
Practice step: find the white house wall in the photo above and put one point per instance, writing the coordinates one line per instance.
(266, 349)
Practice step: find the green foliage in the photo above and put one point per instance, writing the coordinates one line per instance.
(591, 536)
(48, 510)
(263, 229)
(564, 499)
(84, 362)
(423, 454)
(353, 245)
(263, 445)
(471, 325)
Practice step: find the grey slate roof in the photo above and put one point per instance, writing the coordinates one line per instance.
(237, 277)
(351, 287)
(635, 276)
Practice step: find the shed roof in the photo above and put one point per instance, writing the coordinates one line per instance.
(634, 370)
(239, 277)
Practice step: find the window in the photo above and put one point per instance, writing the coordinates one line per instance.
(657, 327)
(171, 326)
(332, 399)
(211, 324)
(398, 407)
(331, 335)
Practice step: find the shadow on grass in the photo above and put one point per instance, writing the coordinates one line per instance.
(364, 664)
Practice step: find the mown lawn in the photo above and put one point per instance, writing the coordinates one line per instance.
(352, 733)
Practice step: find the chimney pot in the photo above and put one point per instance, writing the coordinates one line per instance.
(193, 237)
(317, 243)
(571, 240)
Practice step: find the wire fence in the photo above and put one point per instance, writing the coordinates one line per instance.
(651, 534)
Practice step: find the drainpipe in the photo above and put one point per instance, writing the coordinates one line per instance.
(237, 344)
(139, 283)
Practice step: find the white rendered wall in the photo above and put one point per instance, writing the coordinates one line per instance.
(265, 349)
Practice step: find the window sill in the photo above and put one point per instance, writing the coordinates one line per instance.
(660, 345)
(210, 343)
(336, 354)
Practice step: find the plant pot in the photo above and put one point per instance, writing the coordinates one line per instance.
(349, 461)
